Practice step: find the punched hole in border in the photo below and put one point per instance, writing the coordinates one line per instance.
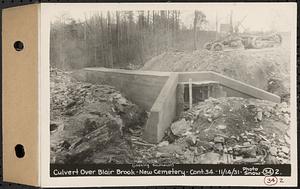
(18, 45)
(19, 150)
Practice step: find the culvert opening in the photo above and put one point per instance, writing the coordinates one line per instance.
(200, 92)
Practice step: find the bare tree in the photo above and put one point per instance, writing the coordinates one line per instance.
(109, 34)
(199, 20)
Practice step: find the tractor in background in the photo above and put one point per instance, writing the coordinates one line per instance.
(245, 41)
(234, 39)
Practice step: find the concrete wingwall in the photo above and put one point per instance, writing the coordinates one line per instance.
(232, 87)
(160, 92)
(142, 88)
(163, 111)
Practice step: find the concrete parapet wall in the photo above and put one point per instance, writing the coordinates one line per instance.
(141, 87)
(231, 86)
(163, 111)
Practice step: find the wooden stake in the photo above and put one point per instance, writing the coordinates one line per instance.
(190, 93)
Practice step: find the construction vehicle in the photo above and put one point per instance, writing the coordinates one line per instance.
(236, 40)
(244, 41)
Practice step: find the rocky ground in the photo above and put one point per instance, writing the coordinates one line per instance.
(268, 68)
(228, 131)
(90, 123)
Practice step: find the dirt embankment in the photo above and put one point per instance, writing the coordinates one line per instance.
(268, 69)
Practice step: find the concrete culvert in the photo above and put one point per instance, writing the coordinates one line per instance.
(110, 128)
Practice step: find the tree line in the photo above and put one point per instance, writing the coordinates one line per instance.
(121, 39)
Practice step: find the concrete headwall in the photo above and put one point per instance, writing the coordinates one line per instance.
(140, 87)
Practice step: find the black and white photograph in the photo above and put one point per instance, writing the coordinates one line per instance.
(203, 85)
(143, 94)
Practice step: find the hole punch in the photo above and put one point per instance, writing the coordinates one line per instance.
(19, 150)
(18, 45)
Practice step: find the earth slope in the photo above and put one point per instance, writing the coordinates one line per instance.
(268, 69)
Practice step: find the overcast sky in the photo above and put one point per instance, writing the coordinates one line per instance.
(262, 16)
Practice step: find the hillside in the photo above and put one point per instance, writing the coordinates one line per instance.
(267, 69)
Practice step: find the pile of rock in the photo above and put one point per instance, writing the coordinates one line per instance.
(233, 130)
(87, 118)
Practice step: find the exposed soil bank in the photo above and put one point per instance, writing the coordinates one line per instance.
(268, 69)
